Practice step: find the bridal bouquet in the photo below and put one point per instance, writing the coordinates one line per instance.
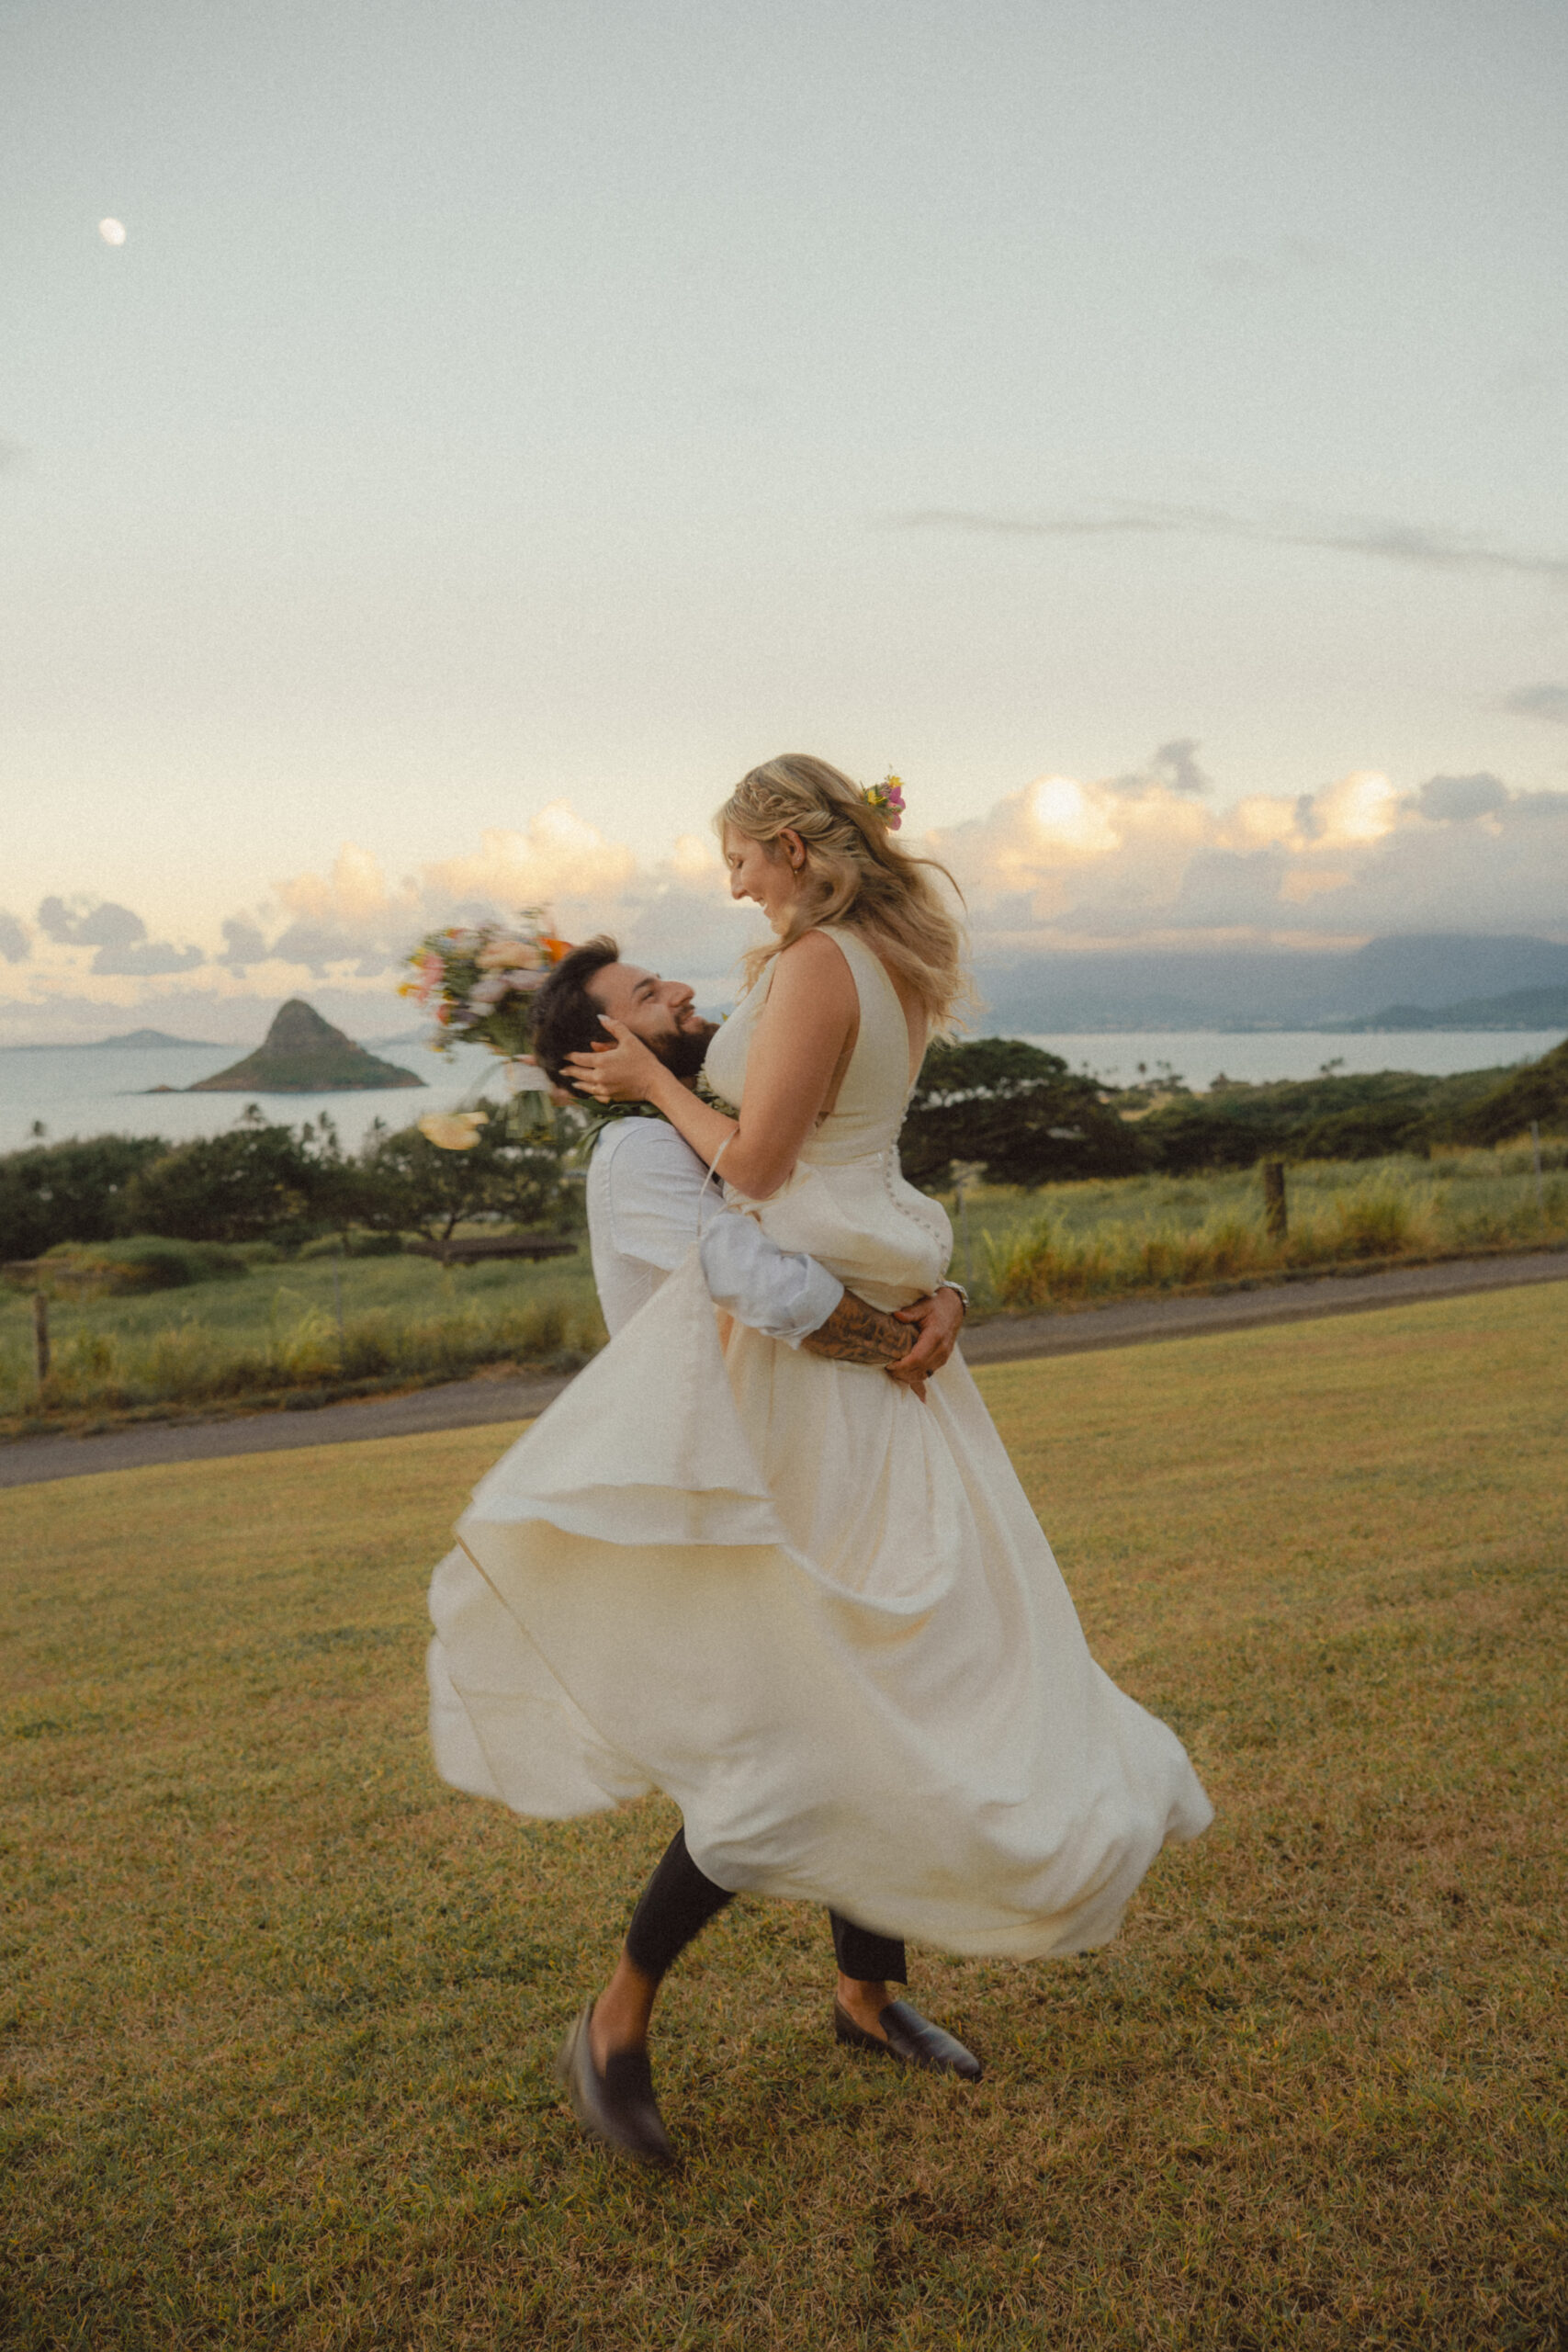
(478, 981)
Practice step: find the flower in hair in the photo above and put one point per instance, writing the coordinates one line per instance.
(887, 798)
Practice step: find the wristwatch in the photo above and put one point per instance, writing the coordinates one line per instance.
(963, 1293)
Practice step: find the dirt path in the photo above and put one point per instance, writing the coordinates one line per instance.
(468, 1404)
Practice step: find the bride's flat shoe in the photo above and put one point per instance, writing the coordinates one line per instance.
(911, 2041)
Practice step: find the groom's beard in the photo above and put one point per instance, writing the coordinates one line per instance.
(685, 1052)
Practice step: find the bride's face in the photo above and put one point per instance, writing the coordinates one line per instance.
(769, 872)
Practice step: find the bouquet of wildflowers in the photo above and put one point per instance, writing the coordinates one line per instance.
(478, 981)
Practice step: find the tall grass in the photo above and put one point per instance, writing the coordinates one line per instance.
(195, 1361)
(1148, 1239)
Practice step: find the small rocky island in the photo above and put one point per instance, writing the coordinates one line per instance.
(305, 1055)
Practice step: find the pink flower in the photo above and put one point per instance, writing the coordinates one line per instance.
(432, 971)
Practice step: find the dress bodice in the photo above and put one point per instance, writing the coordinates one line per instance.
(847, 1203)
(874, 1092)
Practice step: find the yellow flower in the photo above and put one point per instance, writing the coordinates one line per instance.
(453, 1130)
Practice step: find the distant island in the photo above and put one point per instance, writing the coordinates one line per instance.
(305, 1055)
(144, 1038)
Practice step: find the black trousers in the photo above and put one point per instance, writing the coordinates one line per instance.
(679, 1900)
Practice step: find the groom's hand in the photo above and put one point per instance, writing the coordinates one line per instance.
(618, 1071)
(940, 1319)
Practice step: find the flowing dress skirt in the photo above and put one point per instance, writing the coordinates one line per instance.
(822, 1617)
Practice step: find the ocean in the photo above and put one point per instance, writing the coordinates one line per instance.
(99, 1089)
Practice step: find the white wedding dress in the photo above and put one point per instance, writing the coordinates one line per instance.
(817, 1612)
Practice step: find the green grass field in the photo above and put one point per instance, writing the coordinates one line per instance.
(282, 2009)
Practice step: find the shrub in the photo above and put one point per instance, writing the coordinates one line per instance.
(117, 1269)
(1376, 1223)
(69, 1191)
(353, 1245)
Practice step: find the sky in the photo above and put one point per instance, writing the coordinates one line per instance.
(1140, 426)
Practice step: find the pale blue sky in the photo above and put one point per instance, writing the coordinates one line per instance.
(495, 404)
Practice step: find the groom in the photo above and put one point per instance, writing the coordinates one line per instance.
(647, 1202)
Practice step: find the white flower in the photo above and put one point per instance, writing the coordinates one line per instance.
(453, 1130)
(510, 954)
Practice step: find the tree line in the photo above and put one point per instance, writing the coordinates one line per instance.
(1030, 1119)
(263, 1182)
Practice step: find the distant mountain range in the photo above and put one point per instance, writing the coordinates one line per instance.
(1521, 1009)
(1425, 981)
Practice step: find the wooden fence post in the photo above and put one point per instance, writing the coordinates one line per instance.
(1276, 1216)
(40, 1333)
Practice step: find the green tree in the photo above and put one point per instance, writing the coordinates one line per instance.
(1018, 1110)
(257, 1182)
(404, 1184)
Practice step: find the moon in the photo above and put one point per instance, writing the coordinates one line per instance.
(112, 231)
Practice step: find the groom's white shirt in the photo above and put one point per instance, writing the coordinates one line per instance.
(648, 1200)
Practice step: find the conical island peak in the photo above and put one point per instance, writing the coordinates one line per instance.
(302, 1054)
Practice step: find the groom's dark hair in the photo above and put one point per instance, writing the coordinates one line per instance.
(565, 1018)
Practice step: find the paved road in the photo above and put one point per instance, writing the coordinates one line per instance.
(468, 1404)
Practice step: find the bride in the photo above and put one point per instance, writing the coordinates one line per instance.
(810, 1606)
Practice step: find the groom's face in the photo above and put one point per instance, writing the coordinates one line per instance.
(662, 1013)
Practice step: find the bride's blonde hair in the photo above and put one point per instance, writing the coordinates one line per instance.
(855, 874)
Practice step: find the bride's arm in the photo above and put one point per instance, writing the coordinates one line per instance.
(808, 1021)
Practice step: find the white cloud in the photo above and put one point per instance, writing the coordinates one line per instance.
(120, 937)
(1065, 863)
(1142, 858)
(352, 916)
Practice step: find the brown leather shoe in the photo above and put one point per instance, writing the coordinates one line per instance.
(912, 2041)
(617, 2106)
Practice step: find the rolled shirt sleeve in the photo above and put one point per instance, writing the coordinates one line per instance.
(650, 1201)
(781, 1293)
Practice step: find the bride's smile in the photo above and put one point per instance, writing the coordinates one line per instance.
(769, 872)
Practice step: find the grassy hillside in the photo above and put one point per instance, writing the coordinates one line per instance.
(281, 2009)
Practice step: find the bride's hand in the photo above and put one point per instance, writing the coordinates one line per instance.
(624, 1073)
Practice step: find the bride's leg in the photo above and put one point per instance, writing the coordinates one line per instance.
(676, 1905)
